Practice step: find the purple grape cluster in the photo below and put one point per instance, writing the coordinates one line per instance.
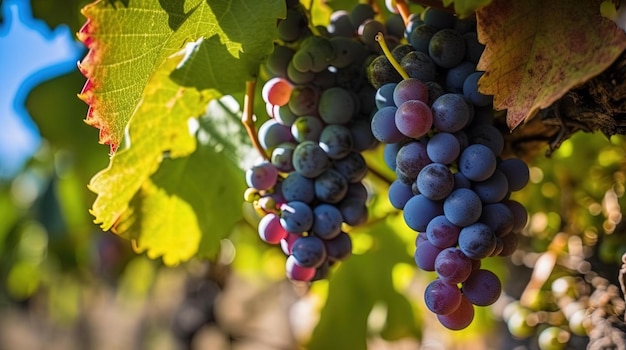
(319, 102)
(451, 181)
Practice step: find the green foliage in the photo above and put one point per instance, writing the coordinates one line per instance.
(359, 284)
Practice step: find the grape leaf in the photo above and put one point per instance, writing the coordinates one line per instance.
(536, 51)
(160, 124)
(177, 88)
(128, 40)
(186, 207)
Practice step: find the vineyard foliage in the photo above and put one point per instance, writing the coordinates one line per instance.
(164, 85)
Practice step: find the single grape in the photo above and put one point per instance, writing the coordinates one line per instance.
(457, 75)
(442, 233)
(354, 211)
(419, 210)
(283, 115)
(492, 190)
(516, 172)
(413, 119)
(443, 148)
(420, 37)
(296, 217)
(307, 128)
(304, 100)
(352, 167)
(471, 92)
(442, 298)
(360, 13)
(340, 24)
(450, 113)
(462, 207)
(380, 72)
(270, 229)
(338, 248)
(384, 96)
(330, 186)
(477, 162)
(399, 194)
(367, 32)
(282, 156)
(509, 244)
(384, 126)
(394, 25)
(296, 187)
(310, 160)
(498, 217)
(390, 152)
(347, 51)
(276, 91)
(278, 60)
(435, 181)
(452, 266)
(410, 160)
(477, 241)
(520, 215)
(487, 135)
(439, 18)
(410, 89)
(296, 272)
(309, 251)
(336, 141)
(336, 106)
(272, 134)
(482, 287)
(459, 318)
(425, 254)
(262, 176)
(447, 48)
(418, 65)
(327, 221)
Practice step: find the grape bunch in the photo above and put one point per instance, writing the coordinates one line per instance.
(451, 181)
(319, 102)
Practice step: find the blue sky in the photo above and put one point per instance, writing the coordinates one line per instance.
(30, 53)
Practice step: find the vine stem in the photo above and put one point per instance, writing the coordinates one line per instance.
(383, 45)
(247, 118)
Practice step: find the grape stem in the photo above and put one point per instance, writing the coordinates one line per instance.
(404, 10)
(247, 118)
(383, 45)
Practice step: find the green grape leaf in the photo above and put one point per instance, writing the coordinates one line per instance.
(185, 208)
(174, 89)
(129, 40)
(465, 8)
(159, 125)
(537, 50)
(360, 283)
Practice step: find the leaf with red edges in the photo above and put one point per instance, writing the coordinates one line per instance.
(538, 50)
